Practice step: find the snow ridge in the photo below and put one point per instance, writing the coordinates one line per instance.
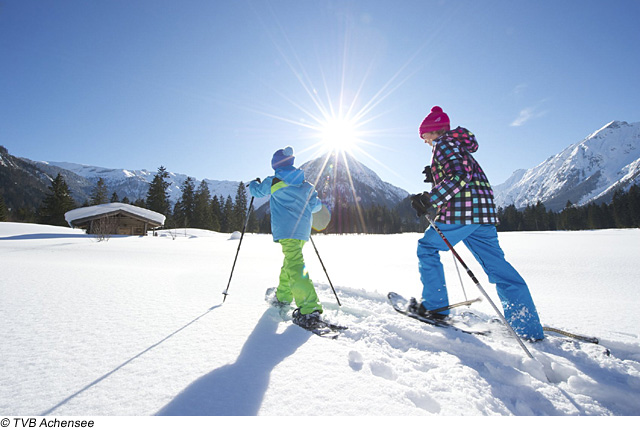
(589, 170)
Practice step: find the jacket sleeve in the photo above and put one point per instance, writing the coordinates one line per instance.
(454, 172)
(261, 189)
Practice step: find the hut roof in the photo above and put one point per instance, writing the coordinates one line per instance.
(82, 215)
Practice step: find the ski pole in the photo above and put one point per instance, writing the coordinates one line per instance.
(325, 270)
(475, 280)
(460, 277)
(246, 221)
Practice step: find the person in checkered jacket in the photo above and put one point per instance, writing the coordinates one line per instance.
(462, 205)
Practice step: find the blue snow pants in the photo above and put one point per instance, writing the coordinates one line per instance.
(482, 241)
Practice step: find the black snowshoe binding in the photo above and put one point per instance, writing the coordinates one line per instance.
(418, 309)
(313, 323)
(310, 321)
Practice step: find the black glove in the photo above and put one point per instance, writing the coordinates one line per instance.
(428, 175)
(423, 206)
(255, 180)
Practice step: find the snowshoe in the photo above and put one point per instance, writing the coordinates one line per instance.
(419, 309)
(309, 321)
(313, 323)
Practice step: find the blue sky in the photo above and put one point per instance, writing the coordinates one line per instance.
(212, 88)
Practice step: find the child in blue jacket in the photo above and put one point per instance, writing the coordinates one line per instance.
(293, 201)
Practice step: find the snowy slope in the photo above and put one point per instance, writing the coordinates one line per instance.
(136, 326)
(586, 171)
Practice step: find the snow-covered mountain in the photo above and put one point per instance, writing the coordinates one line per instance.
(338, 179)
(588, 171)
(132, 184)
(342, 180)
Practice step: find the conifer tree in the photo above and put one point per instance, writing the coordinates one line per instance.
(227, 222)
(570, 218)
(3, 210)
(184, 209)
(216, 213)
(56, 203)
(607, 217)
(202, 212)
(239, 208)
(158, 196)
(634, 205)
(99, 193)
(253, 226)
(265, 224)
(595, 216)
(620, 209)
(141, 203)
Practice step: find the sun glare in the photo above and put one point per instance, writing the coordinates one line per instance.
(339, 134)
(331, 111)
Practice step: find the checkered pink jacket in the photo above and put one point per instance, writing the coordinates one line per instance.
(461, 189)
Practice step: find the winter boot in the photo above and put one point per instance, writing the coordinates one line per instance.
(419, 309)
(308, 321)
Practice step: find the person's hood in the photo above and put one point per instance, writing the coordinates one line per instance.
(462, 137)
(290, 175)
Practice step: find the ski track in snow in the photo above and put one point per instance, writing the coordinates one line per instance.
(397, 349)
(136, 326)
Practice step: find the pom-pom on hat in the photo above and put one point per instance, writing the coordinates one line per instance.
(436, 120)
(282, 158)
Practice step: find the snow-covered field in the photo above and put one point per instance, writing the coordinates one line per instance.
(135, 326)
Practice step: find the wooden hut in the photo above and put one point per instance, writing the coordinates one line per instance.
(115, 218)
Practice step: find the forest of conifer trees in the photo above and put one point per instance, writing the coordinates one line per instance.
(197, 208)
(622, 212)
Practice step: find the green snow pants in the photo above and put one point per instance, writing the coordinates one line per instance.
(294, 278)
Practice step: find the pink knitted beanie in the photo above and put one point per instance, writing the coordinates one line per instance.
(436, 120)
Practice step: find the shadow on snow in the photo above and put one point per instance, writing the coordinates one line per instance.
(238, 389)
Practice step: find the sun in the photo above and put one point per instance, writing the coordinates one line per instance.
(338, 134)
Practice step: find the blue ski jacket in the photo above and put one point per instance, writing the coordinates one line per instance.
(293, 201)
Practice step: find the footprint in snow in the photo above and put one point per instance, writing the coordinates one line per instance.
(355, 360)
(383, 371)
(424, 401)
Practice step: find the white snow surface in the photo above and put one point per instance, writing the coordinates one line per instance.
(136, 326)
(90, 211)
